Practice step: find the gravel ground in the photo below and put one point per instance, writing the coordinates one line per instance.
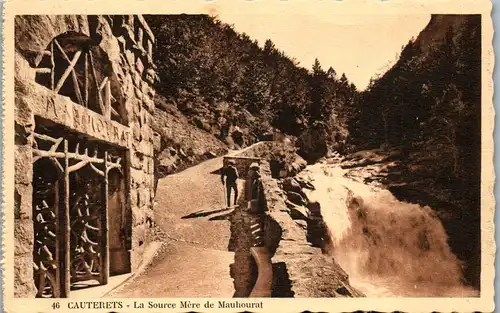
(190, 209)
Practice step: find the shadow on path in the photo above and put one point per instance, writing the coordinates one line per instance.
(202, 213)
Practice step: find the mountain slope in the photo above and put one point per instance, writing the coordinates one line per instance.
(224, 82)
(428, 108)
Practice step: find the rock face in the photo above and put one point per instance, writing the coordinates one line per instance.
(222, 121)
(281, 155)
(111, 114)
(300, 269)
(313, 143)
(181, 144)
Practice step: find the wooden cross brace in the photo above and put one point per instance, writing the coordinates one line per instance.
(69, 70)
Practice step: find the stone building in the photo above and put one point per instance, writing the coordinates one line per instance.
(83, 148)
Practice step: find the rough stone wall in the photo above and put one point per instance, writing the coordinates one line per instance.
(300, 270)
(126, 43)
(23, 212)
(243, 270)
(137, 74)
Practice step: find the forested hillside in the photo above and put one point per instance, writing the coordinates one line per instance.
(428, 107)
(228, 85)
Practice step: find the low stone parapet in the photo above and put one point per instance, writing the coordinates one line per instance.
(301, 270)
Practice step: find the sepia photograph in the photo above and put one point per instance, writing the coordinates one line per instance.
(223, 155)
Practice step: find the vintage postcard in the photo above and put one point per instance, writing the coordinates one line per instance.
(261, 156)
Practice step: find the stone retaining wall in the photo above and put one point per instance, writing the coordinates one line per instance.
(301, 270)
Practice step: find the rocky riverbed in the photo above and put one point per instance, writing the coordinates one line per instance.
(387, 247)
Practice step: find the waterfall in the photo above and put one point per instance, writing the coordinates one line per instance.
(389, 248)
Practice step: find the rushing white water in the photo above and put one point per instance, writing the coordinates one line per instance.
(389, 248)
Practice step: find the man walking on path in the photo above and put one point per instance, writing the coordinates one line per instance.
(231, 174)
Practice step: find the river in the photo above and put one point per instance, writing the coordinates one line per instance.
(389, 248)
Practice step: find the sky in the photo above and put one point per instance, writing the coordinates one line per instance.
(361, 46)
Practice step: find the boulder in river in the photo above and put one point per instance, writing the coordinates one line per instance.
(302, 224)
(298, 212)
(291, 184)
(315, 208)
(304, 183)
(296, 198)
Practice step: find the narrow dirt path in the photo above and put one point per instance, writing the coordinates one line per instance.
(196, 262)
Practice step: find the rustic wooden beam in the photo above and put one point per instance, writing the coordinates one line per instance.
(59, 166)
(99, 99)
(65, 264)
(53, 65)
(107, 100)
(56, 144)
(43, 70)
(98, 171)
(114, 112)
(72, 156)
(68, 71)
(57, 229)
(65, 56)
(77, 166)
(40, 56)
(86, 80)
(47, 154)
(103, 83)
(76, 85)
(140, 36)
(115, 164)
(118, 166)
(146, 28)
(150, 48)
(88, 226)
(105, 226)
(45, 137)
(71, 67)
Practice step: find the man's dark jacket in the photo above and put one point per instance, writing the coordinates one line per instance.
(231, 173)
